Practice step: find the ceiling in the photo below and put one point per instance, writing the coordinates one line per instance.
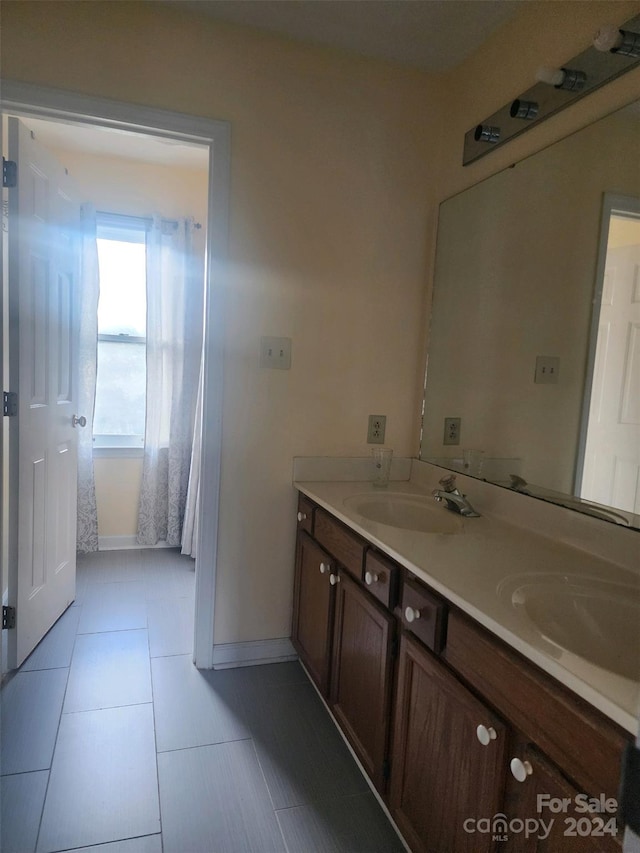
(431, 35)
(112, 142)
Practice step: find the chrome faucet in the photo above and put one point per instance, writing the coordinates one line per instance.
(456, 501)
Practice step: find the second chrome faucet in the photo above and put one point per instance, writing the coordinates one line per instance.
(455, 500)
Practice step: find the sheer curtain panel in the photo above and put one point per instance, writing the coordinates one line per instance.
(87, 529)
(174, 343)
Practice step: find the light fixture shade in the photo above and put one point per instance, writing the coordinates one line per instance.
(614, 40)
(569, 79)
(527, 110)
(629, 46)
(486, 133)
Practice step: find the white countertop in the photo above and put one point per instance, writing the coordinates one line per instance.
(469, 567)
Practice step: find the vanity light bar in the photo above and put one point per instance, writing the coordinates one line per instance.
(615, 51)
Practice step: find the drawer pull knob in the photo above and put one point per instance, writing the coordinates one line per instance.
(302, 516)
(411, 614)
(324, 567)
(486, 734)
(370, 578)
(520, 769)
(334, 579)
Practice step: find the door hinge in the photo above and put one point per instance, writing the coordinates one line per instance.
(9, 174)
(8, 617)
(9, 404)
(386, 768)
(629, 796)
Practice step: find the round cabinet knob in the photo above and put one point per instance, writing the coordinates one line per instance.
(78, 421)
(520, 769)
(324, 567)
(411, 614)
(334, 579)
(302, 516)
(486, 734)
(370, 578)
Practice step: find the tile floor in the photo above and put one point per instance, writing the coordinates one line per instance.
(112, 742)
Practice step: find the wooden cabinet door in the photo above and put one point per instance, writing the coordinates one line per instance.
(542, 817)
(362, 674)
(442, 777)
(314, 599)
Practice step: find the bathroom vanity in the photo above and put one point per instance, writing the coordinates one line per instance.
(477, 730)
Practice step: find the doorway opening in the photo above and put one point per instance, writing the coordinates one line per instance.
(120, 124)
(609, 462)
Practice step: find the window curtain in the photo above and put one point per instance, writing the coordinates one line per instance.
(87, 528)
(190, 523)
(174, 344)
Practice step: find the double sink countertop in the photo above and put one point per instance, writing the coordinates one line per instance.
(517, 545)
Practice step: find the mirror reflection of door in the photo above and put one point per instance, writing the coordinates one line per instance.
(611, 461)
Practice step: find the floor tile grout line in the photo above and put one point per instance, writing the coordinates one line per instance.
(55, 742)
(284, 840)
(105, 843)
(105, 708)
(155, 736)
(264, 777)
(320, 800)
(203, 745)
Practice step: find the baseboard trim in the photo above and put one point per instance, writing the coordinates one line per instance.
(253, 653)
(120, 543)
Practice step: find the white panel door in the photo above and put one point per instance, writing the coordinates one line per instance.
(612, 451)
(44, 262)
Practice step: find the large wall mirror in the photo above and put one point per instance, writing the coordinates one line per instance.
(535, 329)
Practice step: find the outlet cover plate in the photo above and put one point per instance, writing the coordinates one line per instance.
(547, 369)
(451, 431)
(276, 353)
(377, 428)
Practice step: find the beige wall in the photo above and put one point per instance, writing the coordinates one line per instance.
(332, 170)
(337, 164)
(132, 187)
(623, 232)
(118, 495)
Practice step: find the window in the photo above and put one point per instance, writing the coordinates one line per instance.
(119, 417)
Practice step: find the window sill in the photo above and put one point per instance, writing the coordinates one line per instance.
(118, 452)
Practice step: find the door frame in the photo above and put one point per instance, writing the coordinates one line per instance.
(611, 203)
(59, 104)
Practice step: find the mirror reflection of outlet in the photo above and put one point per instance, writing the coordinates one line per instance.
(276, 353)
(547, 369)
(451, 431)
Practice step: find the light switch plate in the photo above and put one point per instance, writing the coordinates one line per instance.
(547, 369)
(275, 353)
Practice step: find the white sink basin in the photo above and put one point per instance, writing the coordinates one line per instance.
(408, 512)
(597, 620)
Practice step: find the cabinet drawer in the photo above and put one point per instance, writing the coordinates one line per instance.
(424, 614)
(305, 514)
(580, 740)
(346, 547)
(381, 577)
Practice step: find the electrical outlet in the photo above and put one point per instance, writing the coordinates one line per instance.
(547, 369)
(451, 431)
(275, 352)
(377, 427)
